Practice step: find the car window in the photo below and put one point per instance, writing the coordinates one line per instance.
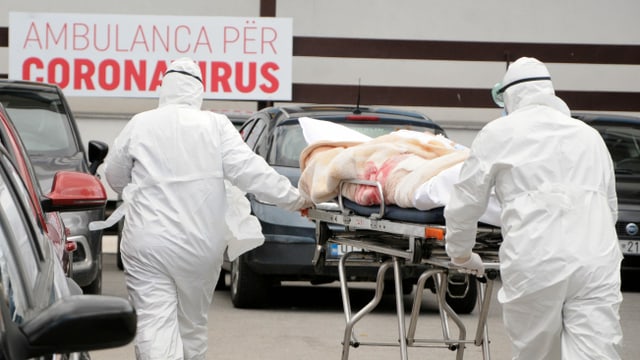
(623, 143)
(289, 143)
(41, 121)
(27, 203)
(18, 259)
(254, 133)
(383, 129)
(12, 288)
(245, 129)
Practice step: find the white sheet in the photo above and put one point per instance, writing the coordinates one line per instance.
(436, 192)
(432, 194)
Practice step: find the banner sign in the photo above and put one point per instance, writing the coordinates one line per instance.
(127, 55)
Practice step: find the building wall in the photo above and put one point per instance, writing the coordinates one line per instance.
(439, 57)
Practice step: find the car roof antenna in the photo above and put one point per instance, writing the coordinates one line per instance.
(357, 109)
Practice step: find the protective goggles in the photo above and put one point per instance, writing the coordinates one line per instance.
(497, 92)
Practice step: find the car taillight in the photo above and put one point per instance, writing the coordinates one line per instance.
(362, 118)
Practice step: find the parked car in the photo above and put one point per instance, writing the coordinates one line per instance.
(622, 136)
(50, 222)
(49, 132)
(43, 313)
(237, 117)
(275, 134)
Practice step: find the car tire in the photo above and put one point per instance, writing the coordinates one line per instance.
(248, 289)
(462, 293)
(95, 287)
(390, 286)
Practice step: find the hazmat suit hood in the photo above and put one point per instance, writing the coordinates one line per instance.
(528, 82)
(182, 84)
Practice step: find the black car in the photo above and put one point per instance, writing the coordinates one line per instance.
(237, 117)
(275, 134)
(42, 313)
(622, 136)
(48, 130)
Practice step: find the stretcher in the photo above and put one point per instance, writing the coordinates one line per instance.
(407, 241)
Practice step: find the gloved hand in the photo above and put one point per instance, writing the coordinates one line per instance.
(300, 204)
(471, 265)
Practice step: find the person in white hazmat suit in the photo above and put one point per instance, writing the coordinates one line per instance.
(560, 258)
(170, 164)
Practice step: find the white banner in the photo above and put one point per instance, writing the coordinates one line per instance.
(127, 55)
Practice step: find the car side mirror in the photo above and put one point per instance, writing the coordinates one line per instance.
(80, 323)
(74, 191)
(98, 151)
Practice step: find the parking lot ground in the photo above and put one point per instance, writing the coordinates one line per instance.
(307, 322)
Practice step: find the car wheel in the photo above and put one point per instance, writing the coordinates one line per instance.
(95, 287)
(248, 289)
(462, 293)
(390, 286)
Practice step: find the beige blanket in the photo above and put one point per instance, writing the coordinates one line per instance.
(400, 164)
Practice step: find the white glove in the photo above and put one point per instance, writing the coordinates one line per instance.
(301, 203)
(472, 265)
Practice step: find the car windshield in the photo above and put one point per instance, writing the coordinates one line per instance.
(289, 140)
(623, 142)
(41, 121)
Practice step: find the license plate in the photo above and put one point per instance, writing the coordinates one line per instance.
(337, 250)
(630, 247)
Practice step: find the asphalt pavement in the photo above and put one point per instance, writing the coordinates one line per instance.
(308, 322)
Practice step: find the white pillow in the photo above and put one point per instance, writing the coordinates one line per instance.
(319, 130)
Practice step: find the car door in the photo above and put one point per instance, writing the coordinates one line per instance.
(50, 222)
(30, 278)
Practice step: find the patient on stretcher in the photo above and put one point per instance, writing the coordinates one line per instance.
(415, 169)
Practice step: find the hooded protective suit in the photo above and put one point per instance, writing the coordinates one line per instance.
(560, 258)
(170, 164)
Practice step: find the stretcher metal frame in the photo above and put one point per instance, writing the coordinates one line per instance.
(397, 244)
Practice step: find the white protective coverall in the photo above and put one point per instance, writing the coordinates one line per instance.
(170, 164)
(560, 258)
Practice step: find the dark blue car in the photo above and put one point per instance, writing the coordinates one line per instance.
(287, 254)
(621, 134)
